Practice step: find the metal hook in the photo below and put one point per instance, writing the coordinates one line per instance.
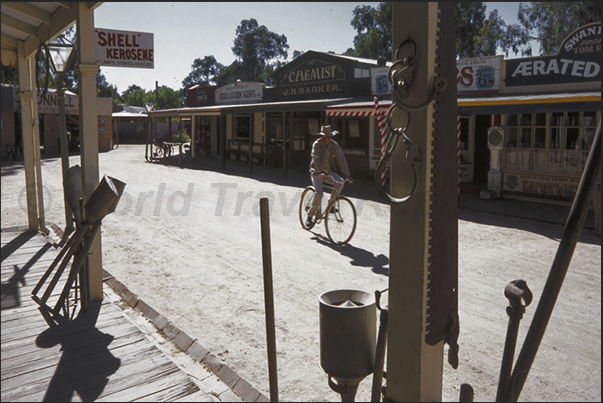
(436, 85)
(416, 162)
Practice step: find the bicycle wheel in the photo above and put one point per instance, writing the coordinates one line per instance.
(305, 204)
(340, 221)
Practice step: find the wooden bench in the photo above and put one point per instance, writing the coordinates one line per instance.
(239, 150)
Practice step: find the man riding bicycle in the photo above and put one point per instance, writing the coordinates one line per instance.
(326, 157)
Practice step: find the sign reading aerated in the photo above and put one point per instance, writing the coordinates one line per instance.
(124, 48)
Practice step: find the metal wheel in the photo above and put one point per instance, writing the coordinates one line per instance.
(340, 221)
(305, 204)
(158, 152)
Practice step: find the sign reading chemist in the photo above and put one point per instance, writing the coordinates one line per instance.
(578, 60)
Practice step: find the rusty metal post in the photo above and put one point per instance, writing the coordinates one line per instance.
(269, 298)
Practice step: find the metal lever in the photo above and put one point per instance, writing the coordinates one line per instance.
(516, 291)
(380, 350)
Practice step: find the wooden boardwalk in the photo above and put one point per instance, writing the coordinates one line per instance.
(99, 356)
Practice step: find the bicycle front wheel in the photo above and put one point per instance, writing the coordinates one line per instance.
(340, 221)
(305, 204)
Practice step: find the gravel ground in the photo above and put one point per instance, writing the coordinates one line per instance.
(187, 242)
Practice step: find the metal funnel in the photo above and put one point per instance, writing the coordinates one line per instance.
(72, 183)
(103, 199)
(348, 334)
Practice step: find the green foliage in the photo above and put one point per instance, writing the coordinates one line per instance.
(106, 90)
(230, 74)
(10, 75)
(204, 71)
(257, 50)
(552, 22)
(470, 17)
(130, 90)
(137, 97)
(168, 98)
(374, 31)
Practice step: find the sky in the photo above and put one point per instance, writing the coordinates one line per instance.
(184, 31)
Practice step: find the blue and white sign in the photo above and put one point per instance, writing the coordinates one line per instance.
(478, 75)
(379, 81)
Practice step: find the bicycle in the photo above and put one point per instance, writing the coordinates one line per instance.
(339, 216)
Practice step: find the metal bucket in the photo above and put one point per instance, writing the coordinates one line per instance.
(348, 334)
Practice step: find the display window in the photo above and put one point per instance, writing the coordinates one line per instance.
(242, 127)
(549, 142)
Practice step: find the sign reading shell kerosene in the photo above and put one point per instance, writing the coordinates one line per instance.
(578, 61)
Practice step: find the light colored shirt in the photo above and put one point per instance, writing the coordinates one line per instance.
(328, 158)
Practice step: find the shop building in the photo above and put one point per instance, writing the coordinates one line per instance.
(548, 108)
(543, 112)
(48, 116)
(293, 109)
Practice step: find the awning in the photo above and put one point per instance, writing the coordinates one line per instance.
(128, 115)
(493, 105)
(283, 106)
(358, 108)
(540, 103)
(213, 110)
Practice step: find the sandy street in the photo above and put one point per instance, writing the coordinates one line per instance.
(187, 242)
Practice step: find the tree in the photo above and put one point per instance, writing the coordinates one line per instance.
(551, 22)
(204, 71)
(230, 74)
(10, 75)
(169, 98)
(130, 90)
(374, 31)
(470, 17)
(136, 97)
(257, 49)
(105, 89)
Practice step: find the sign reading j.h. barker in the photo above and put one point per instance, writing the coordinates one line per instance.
(578, 60)
(124, 48)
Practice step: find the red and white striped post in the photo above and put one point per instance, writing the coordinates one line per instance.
(381, 119)
(458, 152)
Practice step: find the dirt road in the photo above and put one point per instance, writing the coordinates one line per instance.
(187, 242)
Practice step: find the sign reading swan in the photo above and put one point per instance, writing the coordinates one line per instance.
(124, 48)
(578, 60)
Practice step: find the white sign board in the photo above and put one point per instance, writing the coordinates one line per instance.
(124, 48)
(239, 92)
(379, 81)
(478, 75)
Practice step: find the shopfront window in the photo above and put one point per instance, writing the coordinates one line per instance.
(560, 145)
(354, 133)
(275, 125)
(242, 127)
(306, 126)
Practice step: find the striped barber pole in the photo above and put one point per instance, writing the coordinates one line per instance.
(458, 152)
(381, 119)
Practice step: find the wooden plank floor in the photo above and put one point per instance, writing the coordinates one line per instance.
(98, 356)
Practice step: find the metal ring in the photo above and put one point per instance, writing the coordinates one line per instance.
(411, 42)
(394, 200)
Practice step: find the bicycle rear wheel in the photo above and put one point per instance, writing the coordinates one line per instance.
(340, 221)
(305, 204)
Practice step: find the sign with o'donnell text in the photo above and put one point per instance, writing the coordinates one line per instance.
(124, 48)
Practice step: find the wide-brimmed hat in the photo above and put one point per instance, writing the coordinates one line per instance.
(326, 131)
